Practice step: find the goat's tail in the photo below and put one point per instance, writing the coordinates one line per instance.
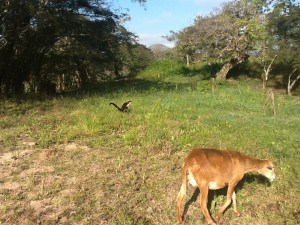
(181, 193)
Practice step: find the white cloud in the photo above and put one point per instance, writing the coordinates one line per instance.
(152, 39)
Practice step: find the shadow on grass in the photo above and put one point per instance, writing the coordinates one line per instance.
(206, 71)
(132, 86)
(248, 178)
(105, 87)
(126, 86)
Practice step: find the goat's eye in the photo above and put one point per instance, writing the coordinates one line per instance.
(270, 167)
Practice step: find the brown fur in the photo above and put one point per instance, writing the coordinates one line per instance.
(215, 169)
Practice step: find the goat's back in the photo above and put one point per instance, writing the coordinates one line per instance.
(216, 164)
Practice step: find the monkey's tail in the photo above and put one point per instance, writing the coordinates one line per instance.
(116, 106)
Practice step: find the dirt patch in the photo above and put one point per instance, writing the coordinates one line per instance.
(73, 146)
(74, 184)
(52, 184)
(9, 157)
(10, 186)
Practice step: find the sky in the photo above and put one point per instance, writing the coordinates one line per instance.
(158, 17)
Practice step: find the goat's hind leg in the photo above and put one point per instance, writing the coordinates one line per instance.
(179, 202)
(203, 204)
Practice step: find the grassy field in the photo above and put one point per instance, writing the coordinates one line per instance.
(77, 160)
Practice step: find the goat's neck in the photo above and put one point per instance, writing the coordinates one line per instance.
(253, 165)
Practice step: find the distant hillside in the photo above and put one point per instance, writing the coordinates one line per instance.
(159, 50)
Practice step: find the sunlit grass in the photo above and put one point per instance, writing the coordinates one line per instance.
(130, 171)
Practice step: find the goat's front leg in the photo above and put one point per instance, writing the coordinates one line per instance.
(230, 192)
(203, 204)
(234, 204)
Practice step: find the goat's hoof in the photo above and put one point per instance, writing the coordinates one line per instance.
(237, 213)
(180, 220)
(212, 222)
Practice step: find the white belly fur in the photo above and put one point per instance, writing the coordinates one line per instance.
(213, 185)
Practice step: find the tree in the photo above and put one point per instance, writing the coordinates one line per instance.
(63, 43)
(228, 35)
(285, 27)
(185, 42)
(291, 84)
(266, 52)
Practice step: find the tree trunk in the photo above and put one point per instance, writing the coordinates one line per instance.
(17, 85)
(264, 81)
(5, 73)
(117, 71)
(291, 84)
(222, 74)
(267, 70)
(187, 60)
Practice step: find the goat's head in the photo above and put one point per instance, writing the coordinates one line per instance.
(268, 170)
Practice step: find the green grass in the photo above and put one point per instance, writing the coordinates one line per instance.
(93, 165)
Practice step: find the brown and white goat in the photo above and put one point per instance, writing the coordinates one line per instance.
(215, 169)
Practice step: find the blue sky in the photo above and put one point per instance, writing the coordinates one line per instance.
(162, 16)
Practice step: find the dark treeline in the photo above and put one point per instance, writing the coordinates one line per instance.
(49, 46)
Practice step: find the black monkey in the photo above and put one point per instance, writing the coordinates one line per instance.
(124, 108)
